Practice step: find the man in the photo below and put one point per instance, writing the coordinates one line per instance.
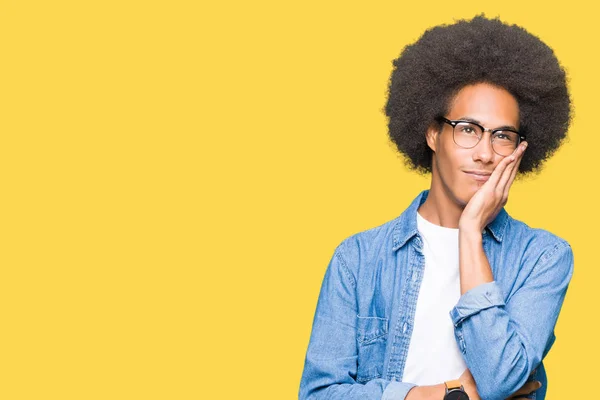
(453, 299)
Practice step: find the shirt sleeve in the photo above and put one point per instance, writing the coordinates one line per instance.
(502, 343)
(330, 368)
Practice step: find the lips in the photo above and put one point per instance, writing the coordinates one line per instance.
(480, 176)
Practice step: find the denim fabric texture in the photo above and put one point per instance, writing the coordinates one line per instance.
(366, 307)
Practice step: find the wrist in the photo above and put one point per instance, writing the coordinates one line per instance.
(469, 233)
(471, 225)
(456, 390)
(468, 385)
(437, 392)
(432, 392)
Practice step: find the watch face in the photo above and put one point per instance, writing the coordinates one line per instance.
(456, 394)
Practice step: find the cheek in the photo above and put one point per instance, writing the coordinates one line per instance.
(451, 161)
(449, 170)
(452, 168)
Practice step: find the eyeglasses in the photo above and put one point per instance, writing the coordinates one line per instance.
(467, 134)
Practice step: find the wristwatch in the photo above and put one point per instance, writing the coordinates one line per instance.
(455, 391)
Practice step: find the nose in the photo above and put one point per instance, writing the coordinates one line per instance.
(484, 152)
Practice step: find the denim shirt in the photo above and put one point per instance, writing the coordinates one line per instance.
(366, 308)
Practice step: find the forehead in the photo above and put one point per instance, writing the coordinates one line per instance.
(488, 104)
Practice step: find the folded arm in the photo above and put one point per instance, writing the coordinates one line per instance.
(331, 365)
(503, 342)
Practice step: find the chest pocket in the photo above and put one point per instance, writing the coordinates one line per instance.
(372, 333)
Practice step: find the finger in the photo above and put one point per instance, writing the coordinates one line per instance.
(499, 170)
(501, 190)
(527, 388)
(514, 168)
(505, 178)
(520, 151)
(511, 170)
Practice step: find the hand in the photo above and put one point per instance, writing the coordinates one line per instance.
(466, 379)
(527, 388)
(487, 202)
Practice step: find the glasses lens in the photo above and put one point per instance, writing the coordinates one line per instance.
(467, 135)
(505, 142)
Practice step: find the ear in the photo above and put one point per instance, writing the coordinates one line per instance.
(431, 137)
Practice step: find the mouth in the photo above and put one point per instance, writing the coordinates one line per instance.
(479, 176)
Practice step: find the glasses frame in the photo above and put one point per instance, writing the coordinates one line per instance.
(453, 124)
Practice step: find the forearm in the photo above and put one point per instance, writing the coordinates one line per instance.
(334, 379)
(499, 356)
(474, 266)
(433, 392)
(502, 340)
(484, 333)
(376, 389)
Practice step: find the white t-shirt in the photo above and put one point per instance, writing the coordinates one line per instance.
(433, 355)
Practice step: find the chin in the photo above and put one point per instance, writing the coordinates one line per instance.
(465, 196)
(461, 194)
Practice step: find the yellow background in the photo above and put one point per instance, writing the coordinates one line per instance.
(176, 175)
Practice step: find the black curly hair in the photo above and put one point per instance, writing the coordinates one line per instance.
(428, 74)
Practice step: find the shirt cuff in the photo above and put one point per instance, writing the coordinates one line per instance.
(397, 390)
(479, 298)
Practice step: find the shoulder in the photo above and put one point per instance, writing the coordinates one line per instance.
(533, 238)
(540, 248)
(360, 248)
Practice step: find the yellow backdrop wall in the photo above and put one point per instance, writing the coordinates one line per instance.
(176, 176)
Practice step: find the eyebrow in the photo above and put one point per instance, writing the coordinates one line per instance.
(504, 127)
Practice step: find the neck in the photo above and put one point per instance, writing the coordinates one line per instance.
(440, 207)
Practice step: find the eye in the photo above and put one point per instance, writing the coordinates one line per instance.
(468, 129)
(506, 136)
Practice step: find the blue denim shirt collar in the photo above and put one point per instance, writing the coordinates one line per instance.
(406, 224)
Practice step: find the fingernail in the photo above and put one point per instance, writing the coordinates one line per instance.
(539, 384)
(524, 146)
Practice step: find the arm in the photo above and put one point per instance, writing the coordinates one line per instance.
(502, 343)
(330, 368)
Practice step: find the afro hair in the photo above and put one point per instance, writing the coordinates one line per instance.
(429, 73)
